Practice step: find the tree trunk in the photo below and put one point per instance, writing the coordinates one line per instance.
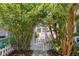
(62, 41)
(51, 31)
(55, 31)
(70, 30)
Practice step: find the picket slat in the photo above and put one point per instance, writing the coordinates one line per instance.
(5, 51)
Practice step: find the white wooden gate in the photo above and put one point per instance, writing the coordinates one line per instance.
(41, 43)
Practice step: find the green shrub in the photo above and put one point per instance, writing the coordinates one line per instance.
(36, 34)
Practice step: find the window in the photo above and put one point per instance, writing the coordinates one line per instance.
(77, 39)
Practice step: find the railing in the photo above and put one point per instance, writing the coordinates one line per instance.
(5, 51)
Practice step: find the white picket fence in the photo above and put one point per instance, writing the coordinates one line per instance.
(5, 51)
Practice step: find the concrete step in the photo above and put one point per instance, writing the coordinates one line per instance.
(39, 53)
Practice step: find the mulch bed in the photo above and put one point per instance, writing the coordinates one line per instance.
(53, 53)
(29, 53)
(21, 53)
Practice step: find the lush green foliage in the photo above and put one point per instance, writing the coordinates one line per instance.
(21, 19)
